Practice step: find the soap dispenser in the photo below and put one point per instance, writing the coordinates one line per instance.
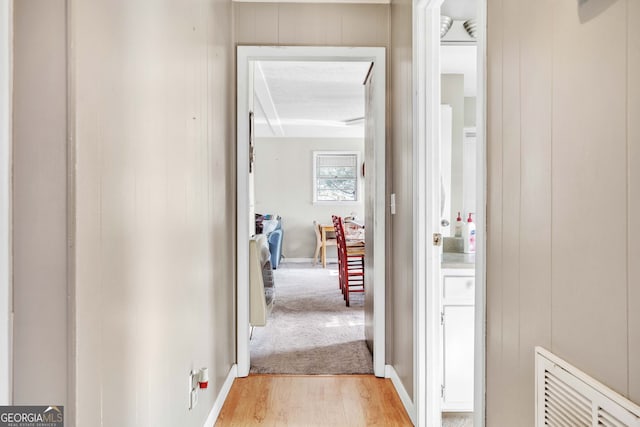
(469, 236)
(458, 229)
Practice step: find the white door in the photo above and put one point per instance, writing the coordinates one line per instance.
(369, 144)
(252, 150)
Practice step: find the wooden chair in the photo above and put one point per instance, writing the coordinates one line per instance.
(328, 242)
(350, 262)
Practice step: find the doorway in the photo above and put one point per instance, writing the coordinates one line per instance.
(453, 300)
(309, 150)
(251, 58)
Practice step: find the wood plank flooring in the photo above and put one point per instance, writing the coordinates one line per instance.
(296, 400)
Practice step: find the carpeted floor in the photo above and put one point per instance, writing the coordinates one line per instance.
(453, 419)
(310, 330)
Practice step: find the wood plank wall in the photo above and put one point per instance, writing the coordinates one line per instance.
(155, 207)
(633, 197)
(39, 217)
(401, 224)
(310, 24)
(563, 195)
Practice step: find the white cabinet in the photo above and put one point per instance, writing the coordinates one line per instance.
(457, 334)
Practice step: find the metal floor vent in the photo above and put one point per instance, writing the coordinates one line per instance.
(567, 397)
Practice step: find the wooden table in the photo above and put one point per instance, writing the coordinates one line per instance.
(324, 228)
(323, 233)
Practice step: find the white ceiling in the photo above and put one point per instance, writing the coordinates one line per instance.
(309, 99)
(319, 99)
(459, 9)
(461, 60)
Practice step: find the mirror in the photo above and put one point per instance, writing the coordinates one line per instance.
(458, 133)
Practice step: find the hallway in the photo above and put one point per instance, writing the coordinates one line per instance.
(119, 207)
(292, 400)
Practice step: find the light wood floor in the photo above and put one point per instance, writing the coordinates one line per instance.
(293, 400)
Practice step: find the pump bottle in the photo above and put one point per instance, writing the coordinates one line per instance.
(458, 229)
(469, 236)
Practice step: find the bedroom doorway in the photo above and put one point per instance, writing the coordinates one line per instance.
(263, 76)
(309, 154)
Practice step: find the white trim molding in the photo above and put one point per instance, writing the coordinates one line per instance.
(479, 379)
(222, 396)
(246, 56)
(6, 327)
(390, 373)
(306, 261)
(426, 257)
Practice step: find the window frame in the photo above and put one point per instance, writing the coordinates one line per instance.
(358, 177)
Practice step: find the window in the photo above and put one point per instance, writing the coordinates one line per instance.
(335, 176)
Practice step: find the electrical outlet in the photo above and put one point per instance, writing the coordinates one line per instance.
(194, 398)
(193, 389)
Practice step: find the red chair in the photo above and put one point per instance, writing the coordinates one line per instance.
(350, 262)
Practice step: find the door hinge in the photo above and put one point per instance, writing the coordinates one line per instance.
(437, 239)
(442, 318)
(442, 391)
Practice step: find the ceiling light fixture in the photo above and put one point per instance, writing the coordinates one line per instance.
(445, 25)
(470, 26)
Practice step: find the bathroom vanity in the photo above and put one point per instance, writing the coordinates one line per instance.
(457, 330)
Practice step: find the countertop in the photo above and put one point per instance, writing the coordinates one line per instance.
(458, 260)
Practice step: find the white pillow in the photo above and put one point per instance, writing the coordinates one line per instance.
(268, 225)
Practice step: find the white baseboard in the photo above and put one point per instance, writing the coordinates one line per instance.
(390, 372)
(222, 396)
(297, 260)
(307, 260)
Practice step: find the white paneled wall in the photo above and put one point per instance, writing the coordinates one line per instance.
(39, 211)
(311, 24)
(400, 226)
(633, 197)
(563, 162)
(155, 217)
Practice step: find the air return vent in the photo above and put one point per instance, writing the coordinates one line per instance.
(567, 397)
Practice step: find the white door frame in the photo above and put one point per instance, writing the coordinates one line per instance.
(426, 122)
(426, 258)
(245, 55)
(6, 33)
(480, 306)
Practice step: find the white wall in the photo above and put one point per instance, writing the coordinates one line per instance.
(563, 196)
(469, 111)
(284, 185)
(5, 197)
(40, 203)
(155, 203)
